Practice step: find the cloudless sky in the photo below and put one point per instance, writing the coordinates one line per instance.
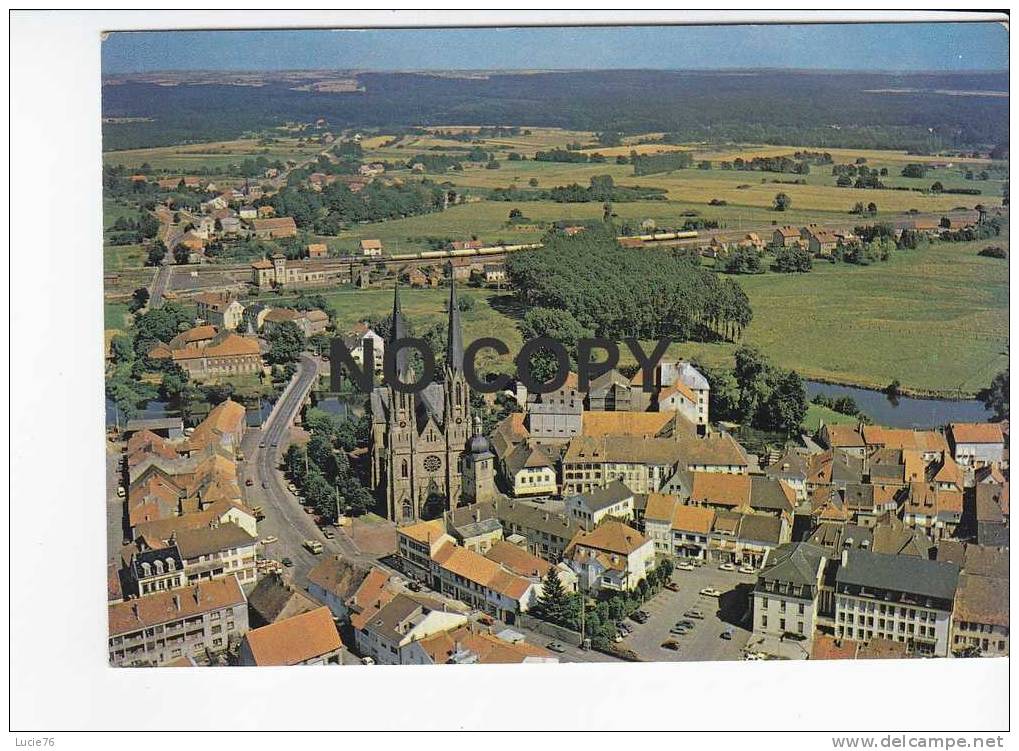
(920, 46)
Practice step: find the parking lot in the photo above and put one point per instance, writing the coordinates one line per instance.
(704, 641)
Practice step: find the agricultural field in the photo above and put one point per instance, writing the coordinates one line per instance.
(935, 319)
(205, 156)
(121, 257)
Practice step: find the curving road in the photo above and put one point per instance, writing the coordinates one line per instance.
(285, 518)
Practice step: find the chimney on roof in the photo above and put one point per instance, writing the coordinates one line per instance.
(845, 557)
(176, 603)
(134, 610)
(198, 595)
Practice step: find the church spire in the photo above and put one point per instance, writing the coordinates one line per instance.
(454, 337)
(398, 330)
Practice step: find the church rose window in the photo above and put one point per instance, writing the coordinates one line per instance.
(432, 463)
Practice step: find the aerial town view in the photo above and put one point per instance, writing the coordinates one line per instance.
(767, 417)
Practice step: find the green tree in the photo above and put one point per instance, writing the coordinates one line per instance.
(157, 252)
(995, 396)
(139, 299)
(181, 255)
(286, 340)
(786, 406)
(553, 602)
(782, 202)
(790, 260)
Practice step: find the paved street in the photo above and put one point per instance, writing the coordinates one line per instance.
(285, 518)
(704, 642)
(159, 285)
(114, 504)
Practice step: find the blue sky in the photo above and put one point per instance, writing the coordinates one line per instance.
(973, 46)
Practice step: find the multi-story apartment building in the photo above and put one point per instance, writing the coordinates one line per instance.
(481, 583)
(215, 552)
(980, 622)
(899, 597)
(612, 557)
(615, 500)
(785, 600)
(198, 621)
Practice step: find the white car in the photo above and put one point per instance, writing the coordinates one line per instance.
(685, 567)
(270, 540)
(711, 592)
(747, 570)
(727, 567)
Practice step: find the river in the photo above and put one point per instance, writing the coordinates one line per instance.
(905, 411)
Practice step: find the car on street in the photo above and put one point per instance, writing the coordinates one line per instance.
(679, 630)
(671, 644)
(249, 482)
(328, 534)
(265, 485)
(686, 624)
(309, 509)
(727, 634)
(261, 444)
(275, 444)
(747, 570)
(684, 567)
(710, 592)
(287, 562)
(672, 587)
(727, 567)
(270, 540)
(312, 546)
(694, 613)
(557, 647)
(291, 487)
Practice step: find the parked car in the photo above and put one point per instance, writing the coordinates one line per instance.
(270, 540)
(413, 586)
(287, 562)
(694, 613)
(312, 546)
(249, 482)
(261, 444)
(367, 660)
(727, 634)
(265, 485)
(684, 567)
(672, 587)
(711, 592)
(686, 624)
(671, 644)
(727, 567)
(309, 510)
(556, 647)
(679, 630)
(291, 487)
(747, 570)
(328, 534)
(640, 617)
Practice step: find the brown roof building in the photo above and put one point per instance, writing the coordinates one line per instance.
(307, 639)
